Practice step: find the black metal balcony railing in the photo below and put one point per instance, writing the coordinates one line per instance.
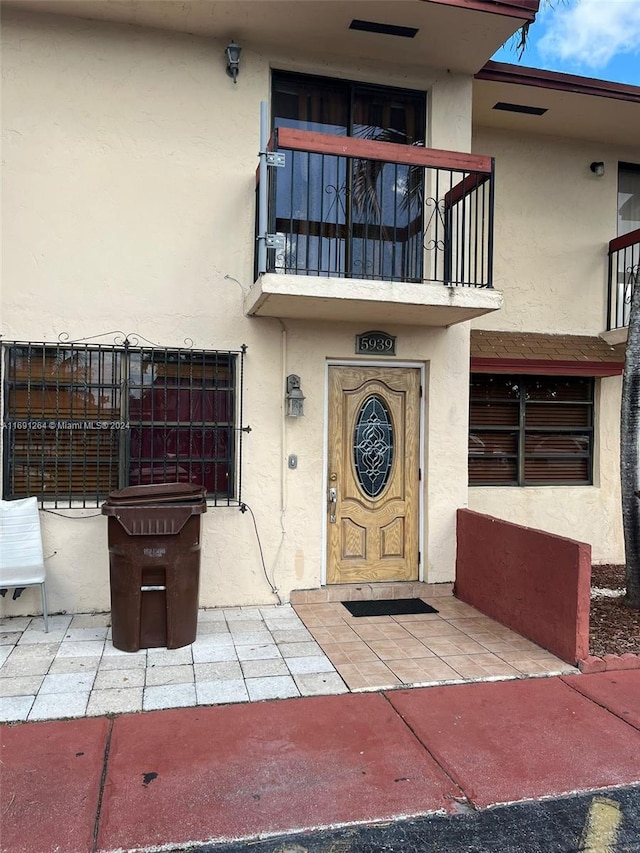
(361, 209)
(624, 276)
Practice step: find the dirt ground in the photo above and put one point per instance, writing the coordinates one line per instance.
(613, 628)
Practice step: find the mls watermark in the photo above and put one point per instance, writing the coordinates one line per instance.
(66, 425)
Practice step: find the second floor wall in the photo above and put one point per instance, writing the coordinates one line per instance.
(553, 222)
(130, 160)
(130, 163)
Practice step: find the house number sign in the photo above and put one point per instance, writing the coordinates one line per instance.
(375, 343)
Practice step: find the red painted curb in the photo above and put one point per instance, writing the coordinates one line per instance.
(609, 663)
(592, 664)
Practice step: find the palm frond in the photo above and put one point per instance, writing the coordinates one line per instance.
(365, 198)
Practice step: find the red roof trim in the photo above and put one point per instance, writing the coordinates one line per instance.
(502, 72)
(523, 9)
(546, 367)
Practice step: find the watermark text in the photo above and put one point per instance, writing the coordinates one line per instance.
(68, 425)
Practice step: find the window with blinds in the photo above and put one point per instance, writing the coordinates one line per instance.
(530, 430)
(81, 421)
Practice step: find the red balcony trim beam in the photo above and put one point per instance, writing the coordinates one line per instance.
(467, 185)
(625, 241)
(387, 152)
(522, 9)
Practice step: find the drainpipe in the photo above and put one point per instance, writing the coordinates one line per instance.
(263, 190)
(283, 432)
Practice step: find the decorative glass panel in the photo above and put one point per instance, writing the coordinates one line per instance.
(373, 446)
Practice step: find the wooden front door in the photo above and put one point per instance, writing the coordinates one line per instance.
(373, 476)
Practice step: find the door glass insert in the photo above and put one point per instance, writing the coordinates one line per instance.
(373, 446)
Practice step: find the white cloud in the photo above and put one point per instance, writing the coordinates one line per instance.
(591, 32)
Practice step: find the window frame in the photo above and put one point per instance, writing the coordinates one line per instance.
(40, 412)
(522, 429)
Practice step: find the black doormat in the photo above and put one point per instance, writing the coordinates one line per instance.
(388, 607)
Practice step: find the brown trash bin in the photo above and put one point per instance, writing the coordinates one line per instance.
(154, 564)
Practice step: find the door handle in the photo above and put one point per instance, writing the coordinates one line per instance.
(333, 503)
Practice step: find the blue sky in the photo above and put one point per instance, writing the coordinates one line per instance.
(592, 38)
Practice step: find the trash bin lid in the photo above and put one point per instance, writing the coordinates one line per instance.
(157, 493)
(167, 519)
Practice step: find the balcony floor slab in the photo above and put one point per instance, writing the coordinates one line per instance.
(304, 297)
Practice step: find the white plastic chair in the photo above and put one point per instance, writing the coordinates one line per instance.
(21, 555)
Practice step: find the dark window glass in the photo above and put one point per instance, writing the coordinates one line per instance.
(530, 430)
(346, 216)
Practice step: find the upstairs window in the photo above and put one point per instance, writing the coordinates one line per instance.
(348, 216)
(81, 421)
(530, 430)
(624, 259)
(628, 198)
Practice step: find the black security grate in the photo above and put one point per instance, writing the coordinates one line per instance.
(82, 420)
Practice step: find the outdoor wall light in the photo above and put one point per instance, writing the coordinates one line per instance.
(597, 168)
(294, 398)
(232, 53)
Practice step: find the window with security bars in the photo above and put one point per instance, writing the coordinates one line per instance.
(81, 421)
(530, 430)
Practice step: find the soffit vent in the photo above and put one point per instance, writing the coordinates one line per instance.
(383, 29)
(520, 108)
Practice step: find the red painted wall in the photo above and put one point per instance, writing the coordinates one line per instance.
(534, 582)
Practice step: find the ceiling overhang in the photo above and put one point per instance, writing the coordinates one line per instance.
(575, 107)
(459, 35)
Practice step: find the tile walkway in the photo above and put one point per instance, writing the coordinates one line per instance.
(240, 655)
(249, 654)
(456, 644)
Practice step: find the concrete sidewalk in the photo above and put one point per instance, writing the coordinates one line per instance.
(171, 778)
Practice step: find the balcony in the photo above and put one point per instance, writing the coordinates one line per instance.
(624, 276)
(353, 229)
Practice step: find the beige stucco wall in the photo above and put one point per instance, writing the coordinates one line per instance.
(128, 205)
(554, 220)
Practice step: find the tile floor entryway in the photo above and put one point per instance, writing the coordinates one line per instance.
(248, 654)
(457, 644)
